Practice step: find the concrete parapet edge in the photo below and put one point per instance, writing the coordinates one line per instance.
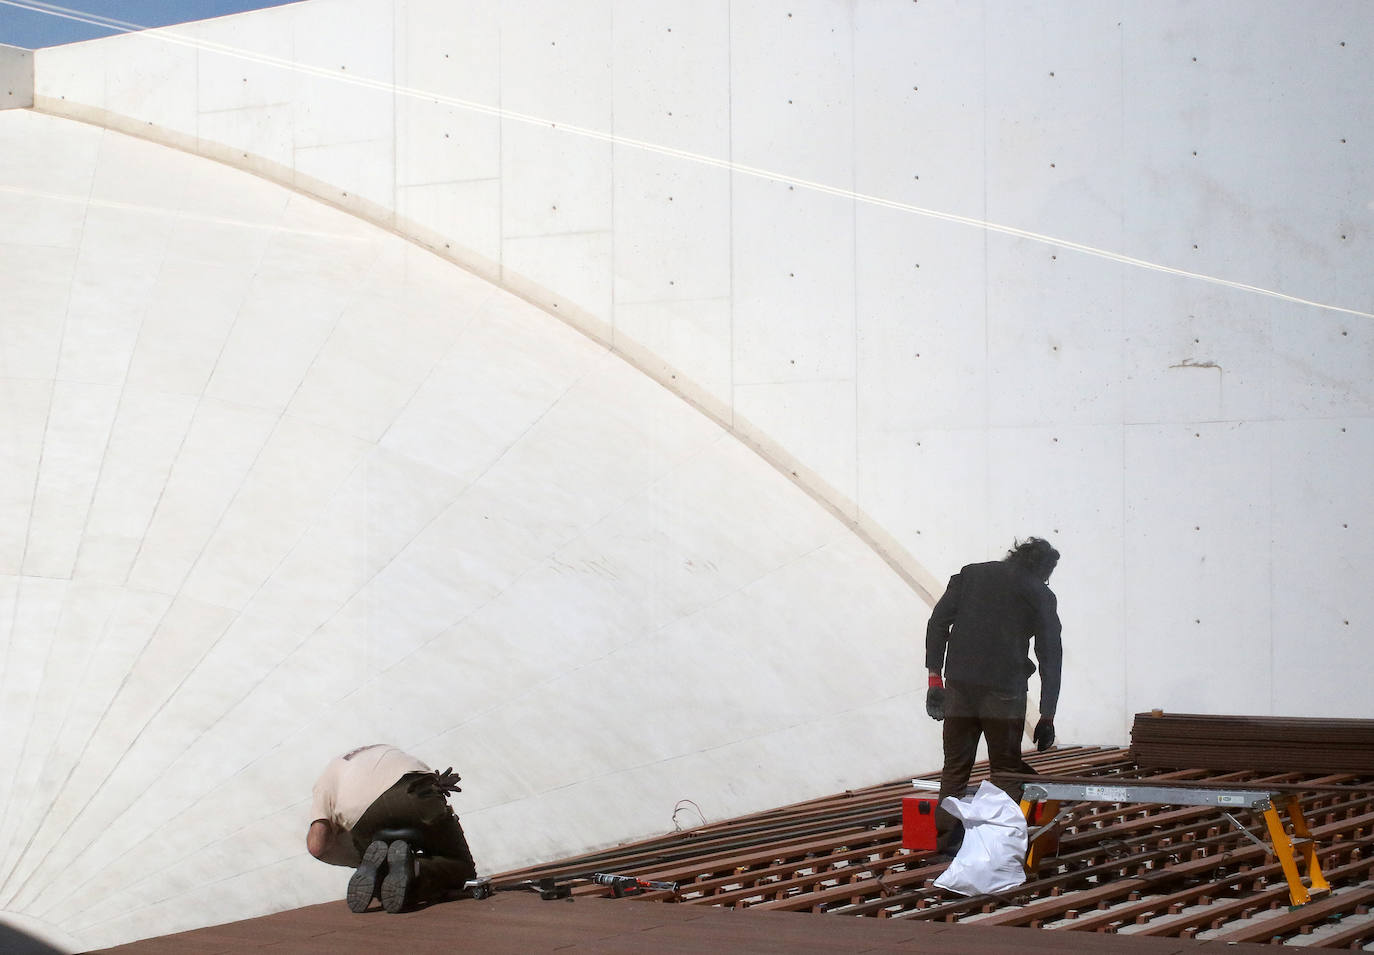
(16, 77)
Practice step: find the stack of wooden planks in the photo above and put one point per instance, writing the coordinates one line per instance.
(1260, 743)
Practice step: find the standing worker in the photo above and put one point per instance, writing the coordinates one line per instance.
(387, 813)
(979, 638)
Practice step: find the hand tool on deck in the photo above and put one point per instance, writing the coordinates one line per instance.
(561, 888)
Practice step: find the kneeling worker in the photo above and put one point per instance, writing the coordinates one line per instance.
(387, 814)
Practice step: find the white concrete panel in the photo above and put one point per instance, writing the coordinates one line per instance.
(95, 661)
(52, 164)
(1196, 165)
(74, 443)
(24, 409)
(221, 446)
(1201, 519)
(1320, 528)
(214, 229)
(1055, 337)
(16, 77)
(298, 470)
(365, 373)
(109, 788)
(930, 487)
(1196, 354)
(104, 310)
(147, 72)
(35, 608)
(1066, 484)
(44, 221)
(1320, 363)
(667, 215)
(695, 332)
(261, 137)
(243, 62)
(792, 90)
(37, 284)
(136, 196)
(1213, 180)
(264, 358)
(368, 166)
(187, 320)
(382, 506)
(448, 70)
(919, 104)
(83, 614)
(1054, 116)
(569, 197)
(145, 439)
(556, 62)
(444, 426)
(343, 55)
(922, 329)
(813, 419)
(461, 220)
(672, 76)
(672, 271)
(794, 300)
(440, 142)
(245, 86)
(70, 76)
(577, 264)
(344, 103)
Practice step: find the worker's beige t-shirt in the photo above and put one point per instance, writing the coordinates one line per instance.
(350, 783)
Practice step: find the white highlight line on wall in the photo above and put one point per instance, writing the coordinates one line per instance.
(176, 213)
(166, 35)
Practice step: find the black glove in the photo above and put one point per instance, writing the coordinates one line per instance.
(432, 783)
(935, 702)
(448, 780)
(1044, 734)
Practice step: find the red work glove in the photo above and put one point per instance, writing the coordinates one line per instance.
(935, 698)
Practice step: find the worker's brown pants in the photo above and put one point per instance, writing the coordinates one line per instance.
(415, 803)
(972, 712)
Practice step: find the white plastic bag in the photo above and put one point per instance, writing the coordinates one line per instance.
(994, 851)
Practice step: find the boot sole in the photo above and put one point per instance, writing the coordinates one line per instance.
(396, 886)
(363, 885)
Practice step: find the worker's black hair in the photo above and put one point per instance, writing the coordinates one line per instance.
(1036, 555)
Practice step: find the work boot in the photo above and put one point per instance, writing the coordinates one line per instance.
(399, 884)
(362, 887)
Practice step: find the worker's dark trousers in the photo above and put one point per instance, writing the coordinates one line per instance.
(414, 802)
(970, 712)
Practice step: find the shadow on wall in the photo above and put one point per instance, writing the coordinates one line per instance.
(15, 942)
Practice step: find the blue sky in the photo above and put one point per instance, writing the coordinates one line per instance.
(33, 24)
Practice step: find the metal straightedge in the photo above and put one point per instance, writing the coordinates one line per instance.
(1050, 794)
(1149, 792)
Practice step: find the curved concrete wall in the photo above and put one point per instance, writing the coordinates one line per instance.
(1097, 271)
(970, 271)
(276, 483)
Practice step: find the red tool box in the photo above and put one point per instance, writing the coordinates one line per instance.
(918, 822)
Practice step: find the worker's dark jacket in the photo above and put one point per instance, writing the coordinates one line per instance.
(980, 631)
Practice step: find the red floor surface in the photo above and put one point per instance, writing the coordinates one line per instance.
(518, 922)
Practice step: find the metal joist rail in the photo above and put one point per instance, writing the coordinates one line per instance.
(1128, 868)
